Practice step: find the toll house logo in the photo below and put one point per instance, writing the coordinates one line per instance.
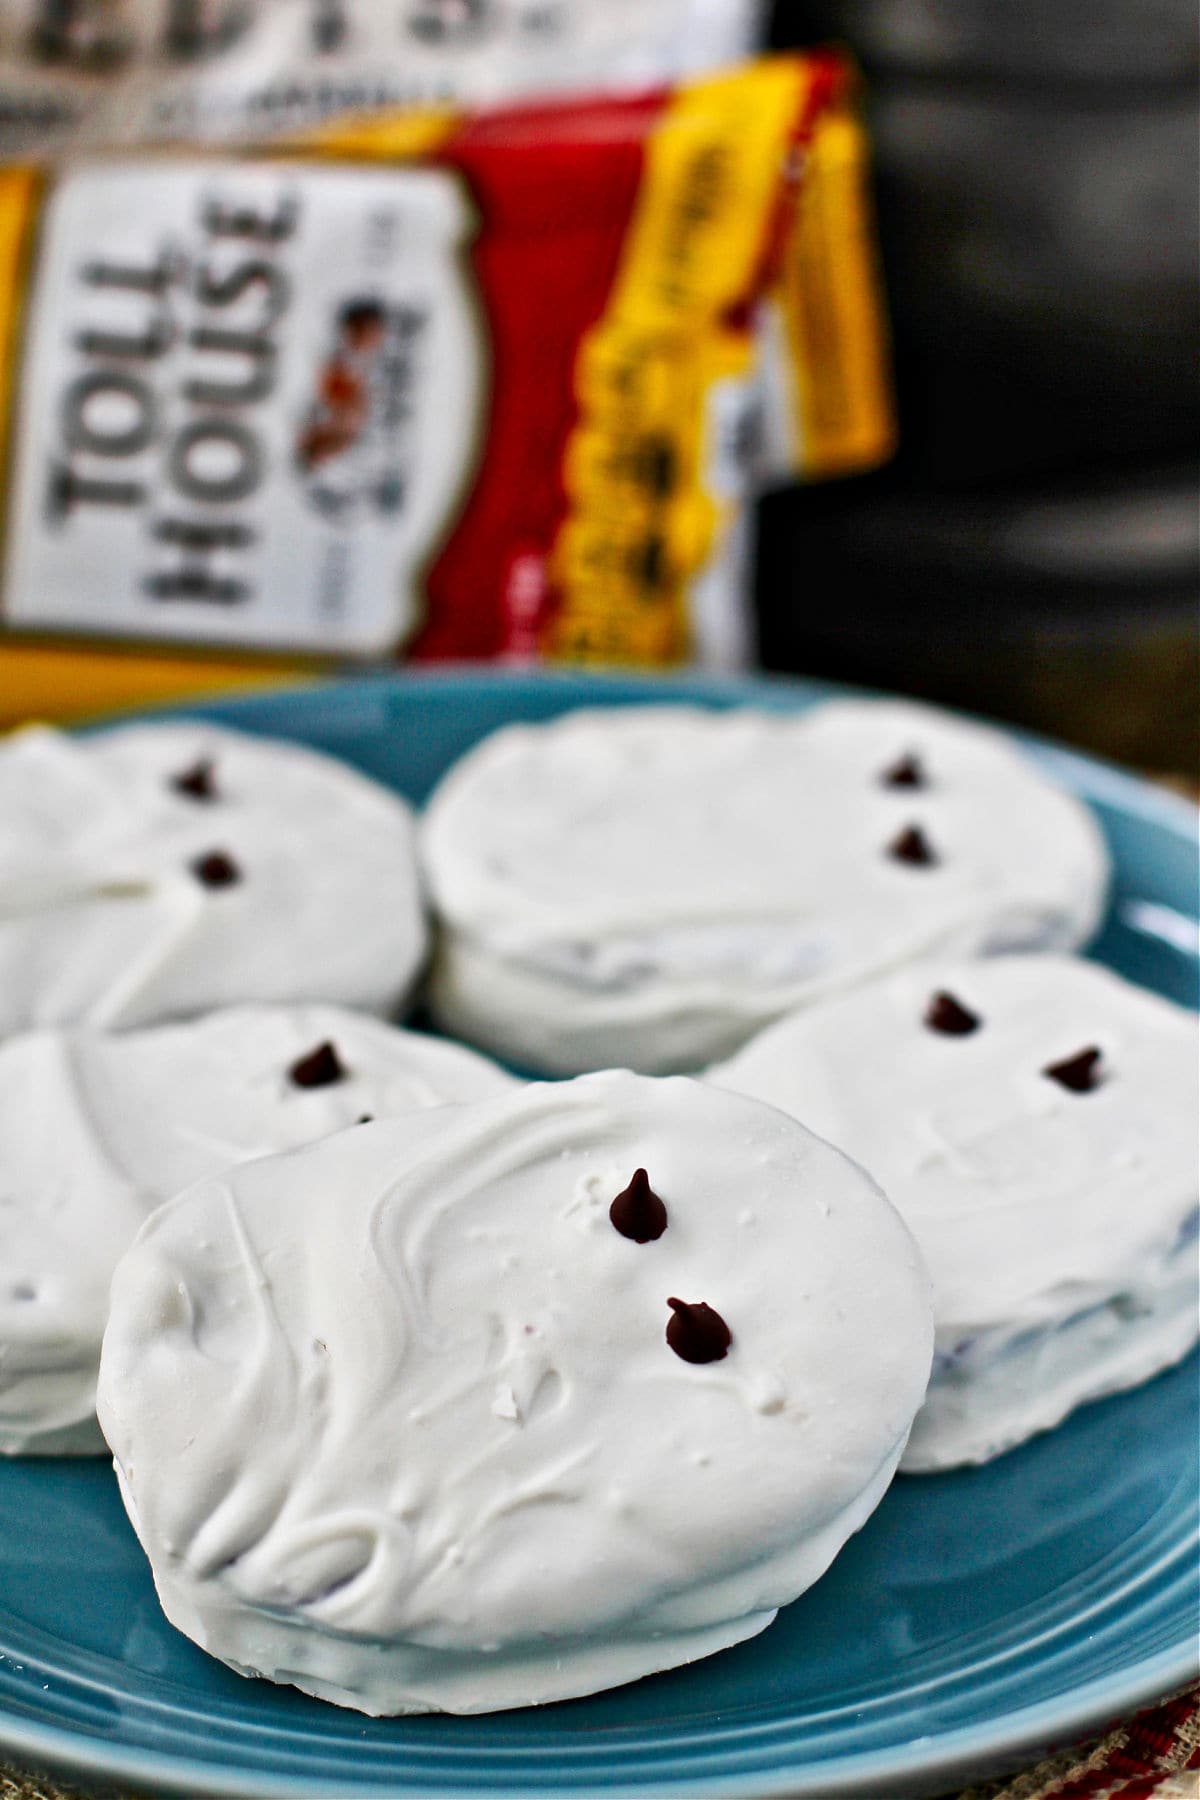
(357, 443)
(251, 401)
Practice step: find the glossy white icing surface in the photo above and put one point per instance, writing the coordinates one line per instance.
(1059, 1227)
(651, 885)
(103, 921)
(96, 1130)
(397, 1422)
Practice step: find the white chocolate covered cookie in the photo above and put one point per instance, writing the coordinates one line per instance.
(515, 1400)
(152, 871)
(649, 886)
(1034, 1120)
(97, 1130)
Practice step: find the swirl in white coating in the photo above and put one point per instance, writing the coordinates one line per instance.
(97, 1130)
(396, 1418)
(104, 919)
(1059, 1225)
(651, 885)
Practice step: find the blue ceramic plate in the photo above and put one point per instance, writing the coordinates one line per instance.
(980, 1617)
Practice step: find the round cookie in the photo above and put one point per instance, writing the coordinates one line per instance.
(651, 885)
(1034, 1121)
(158, 870)
(513, 1401)
(97, 1130)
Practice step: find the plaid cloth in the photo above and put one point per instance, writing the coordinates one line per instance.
(1156, 1756)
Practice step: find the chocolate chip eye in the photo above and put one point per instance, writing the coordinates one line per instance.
(908, 772)
(945, 1013)
(912, 846)
(1078, 1073)
(637, 1212)
(320, 1068)
(216, 870)
(367, 1119)
(196, 783)
(697, 1333)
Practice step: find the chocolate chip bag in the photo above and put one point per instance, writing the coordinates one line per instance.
(432, 386)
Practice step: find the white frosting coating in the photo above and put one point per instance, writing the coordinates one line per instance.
(1059, 1227)
(97, 1130)
(396, 1419)
(102, 920)
(651, 885)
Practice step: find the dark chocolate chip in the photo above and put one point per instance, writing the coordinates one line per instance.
(912, 846)
(908, 772)
(697, 1333)
(637, 1212)
(1078, 1073)
(945, 1013)
(320, 1068)
(367, 1119)
(197, 782)
(216, 870)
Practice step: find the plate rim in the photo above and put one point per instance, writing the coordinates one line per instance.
(891, 1771)
(968, 1748)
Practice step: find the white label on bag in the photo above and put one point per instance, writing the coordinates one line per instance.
(251, 401)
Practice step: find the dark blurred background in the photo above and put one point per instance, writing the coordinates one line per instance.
(1034, 550)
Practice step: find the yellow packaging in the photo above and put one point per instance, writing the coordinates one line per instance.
(426, 386)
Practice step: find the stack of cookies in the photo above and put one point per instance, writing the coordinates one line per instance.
(433, 1384)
